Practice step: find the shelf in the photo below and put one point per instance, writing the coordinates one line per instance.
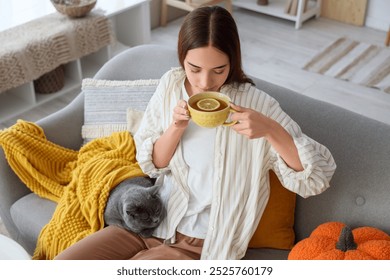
(69, 86)
(131, 26)
(73, 78)
(15, 101)
(138, 19)
(276, 8)
(91, 63)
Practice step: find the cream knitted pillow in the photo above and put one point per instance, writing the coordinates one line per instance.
(107, 104)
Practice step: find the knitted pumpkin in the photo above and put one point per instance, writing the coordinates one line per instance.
(336, 241)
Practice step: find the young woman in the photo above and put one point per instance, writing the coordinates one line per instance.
(214, 182)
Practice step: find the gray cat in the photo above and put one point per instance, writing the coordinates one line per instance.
(135, 205)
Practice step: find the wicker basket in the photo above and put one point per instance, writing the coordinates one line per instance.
(262, 2)
(74, 8)
(50, 82)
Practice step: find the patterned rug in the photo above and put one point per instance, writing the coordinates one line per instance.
(353, 61)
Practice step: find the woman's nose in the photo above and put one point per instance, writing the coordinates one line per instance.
(205, 82)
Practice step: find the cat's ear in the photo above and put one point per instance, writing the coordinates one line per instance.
(154, 190)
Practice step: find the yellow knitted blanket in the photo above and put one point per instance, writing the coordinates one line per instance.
(79, 181)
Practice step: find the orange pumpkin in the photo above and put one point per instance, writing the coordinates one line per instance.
(336, 241)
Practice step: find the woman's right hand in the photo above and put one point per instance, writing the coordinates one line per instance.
(181, 115)
(166, 145)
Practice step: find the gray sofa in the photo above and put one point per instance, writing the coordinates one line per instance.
(360, 189)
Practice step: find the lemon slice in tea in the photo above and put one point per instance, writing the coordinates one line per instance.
(208, 104)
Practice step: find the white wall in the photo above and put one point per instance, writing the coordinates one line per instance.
(378, 14)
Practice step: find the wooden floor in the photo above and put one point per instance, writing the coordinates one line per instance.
(275, 51)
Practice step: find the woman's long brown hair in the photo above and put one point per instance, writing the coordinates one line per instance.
(214, 26)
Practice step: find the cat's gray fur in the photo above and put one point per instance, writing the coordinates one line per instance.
(135, 205)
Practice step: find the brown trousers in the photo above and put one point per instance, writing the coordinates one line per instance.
(114, 243)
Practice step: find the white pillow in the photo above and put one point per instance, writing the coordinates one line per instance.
(107, 103)
(134, 118)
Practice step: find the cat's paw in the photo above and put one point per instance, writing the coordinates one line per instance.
(146, 233)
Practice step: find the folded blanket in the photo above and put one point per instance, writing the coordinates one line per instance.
(79, 181)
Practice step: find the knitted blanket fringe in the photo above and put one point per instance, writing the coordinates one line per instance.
(79, 181)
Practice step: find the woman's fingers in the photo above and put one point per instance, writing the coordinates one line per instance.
(181, 114)
(180, 111)
(236, 107)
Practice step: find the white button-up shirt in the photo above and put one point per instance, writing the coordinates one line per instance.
(240, 186)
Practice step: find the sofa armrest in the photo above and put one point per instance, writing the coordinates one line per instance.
(64, 126)
(11, 189)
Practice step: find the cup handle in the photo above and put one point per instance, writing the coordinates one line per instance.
(232, 122)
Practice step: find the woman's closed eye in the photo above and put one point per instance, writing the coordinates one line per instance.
(194, 69)
(219, 72)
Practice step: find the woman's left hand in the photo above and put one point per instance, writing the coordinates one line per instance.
(250, 123)
(253, 124)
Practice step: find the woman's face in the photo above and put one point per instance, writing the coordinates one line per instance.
(207, 69)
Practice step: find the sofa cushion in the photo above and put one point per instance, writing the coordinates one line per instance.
(276, 227)
(106, 104)
(30, 214)
(134, 118)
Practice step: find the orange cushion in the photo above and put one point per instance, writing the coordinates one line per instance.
(275, 229)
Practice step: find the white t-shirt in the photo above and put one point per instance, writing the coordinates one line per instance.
(198, 152)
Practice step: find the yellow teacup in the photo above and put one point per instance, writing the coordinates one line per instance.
(210, 109)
